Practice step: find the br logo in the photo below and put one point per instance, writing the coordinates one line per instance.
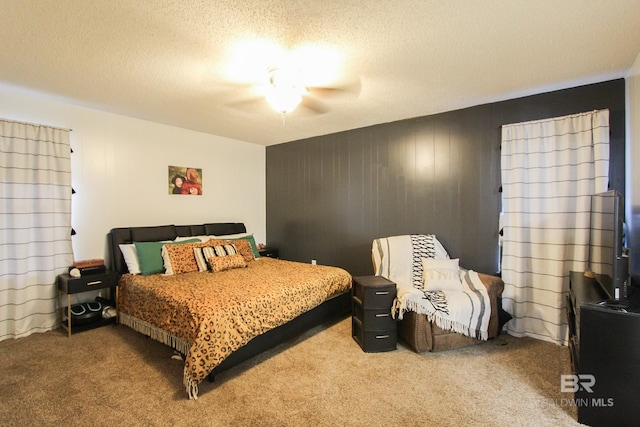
(573, 383)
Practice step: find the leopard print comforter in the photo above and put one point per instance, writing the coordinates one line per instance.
(217, 313)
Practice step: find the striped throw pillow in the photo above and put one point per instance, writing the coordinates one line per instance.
(202, 254)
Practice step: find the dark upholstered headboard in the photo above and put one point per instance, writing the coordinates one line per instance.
(124, 235)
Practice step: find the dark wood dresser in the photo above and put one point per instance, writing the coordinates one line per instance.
(604, 344)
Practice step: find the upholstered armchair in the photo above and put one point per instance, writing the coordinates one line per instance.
(422, 335)
(401, 259)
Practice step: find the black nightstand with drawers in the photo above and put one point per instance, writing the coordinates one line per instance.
(372, 326)
(68, 285)
(269, 252)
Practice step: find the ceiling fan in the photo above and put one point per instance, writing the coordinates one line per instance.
(285, 89)
(287, 86)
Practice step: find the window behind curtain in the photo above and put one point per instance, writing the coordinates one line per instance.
(35, 225)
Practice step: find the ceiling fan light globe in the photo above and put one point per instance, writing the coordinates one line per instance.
(284, 101)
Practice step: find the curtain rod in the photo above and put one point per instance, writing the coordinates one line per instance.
(36, 124)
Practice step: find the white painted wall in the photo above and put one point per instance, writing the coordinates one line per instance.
(632, 183)
(119, 171)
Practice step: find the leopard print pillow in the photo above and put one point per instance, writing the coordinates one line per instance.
(244, 248)
(221, 263)
(180, 258)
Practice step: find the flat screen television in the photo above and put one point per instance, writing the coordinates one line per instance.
(608, 255)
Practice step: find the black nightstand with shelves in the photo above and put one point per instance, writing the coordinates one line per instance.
(68, 285)
(269, 252)
(372, 326)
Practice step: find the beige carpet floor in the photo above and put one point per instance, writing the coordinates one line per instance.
(113, 376)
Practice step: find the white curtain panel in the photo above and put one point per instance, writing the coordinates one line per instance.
(550, 168)
(35, 225)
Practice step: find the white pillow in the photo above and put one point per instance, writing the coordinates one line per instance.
(232, 236)
(166, 261)
(130, 258)
(441, 274)
(180, 239)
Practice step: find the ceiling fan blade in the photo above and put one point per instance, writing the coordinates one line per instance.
(314, 105)
(352, 88)
(249, 105)
(312, 101)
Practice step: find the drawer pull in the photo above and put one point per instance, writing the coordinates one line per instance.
(382, 293)
(382, 315)
(382, 337)
(96, 282)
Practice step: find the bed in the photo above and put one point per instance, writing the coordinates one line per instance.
(219, 319)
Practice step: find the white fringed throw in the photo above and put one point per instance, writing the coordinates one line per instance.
(399, 258)
(466, 312)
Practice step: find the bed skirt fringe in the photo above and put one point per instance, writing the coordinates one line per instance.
(165, 338)
(192, 388)
(154, 332)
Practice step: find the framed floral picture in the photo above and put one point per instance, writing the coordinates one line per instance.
(185, 180)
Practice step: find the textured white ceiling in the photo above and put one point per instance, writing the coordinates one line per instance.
(189, 63)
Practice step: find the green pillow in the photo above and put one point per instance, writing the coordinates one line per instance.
(150, 255)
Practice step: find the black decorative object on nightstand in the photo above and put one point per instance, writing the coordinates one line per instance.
(269, 252)
(372, 326)
(68, 285)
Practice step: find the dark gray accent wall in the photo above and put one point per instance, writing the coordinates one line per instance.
(328, 197)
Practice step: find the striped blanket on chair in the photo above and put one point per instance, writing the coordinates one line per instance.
(400, 259)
